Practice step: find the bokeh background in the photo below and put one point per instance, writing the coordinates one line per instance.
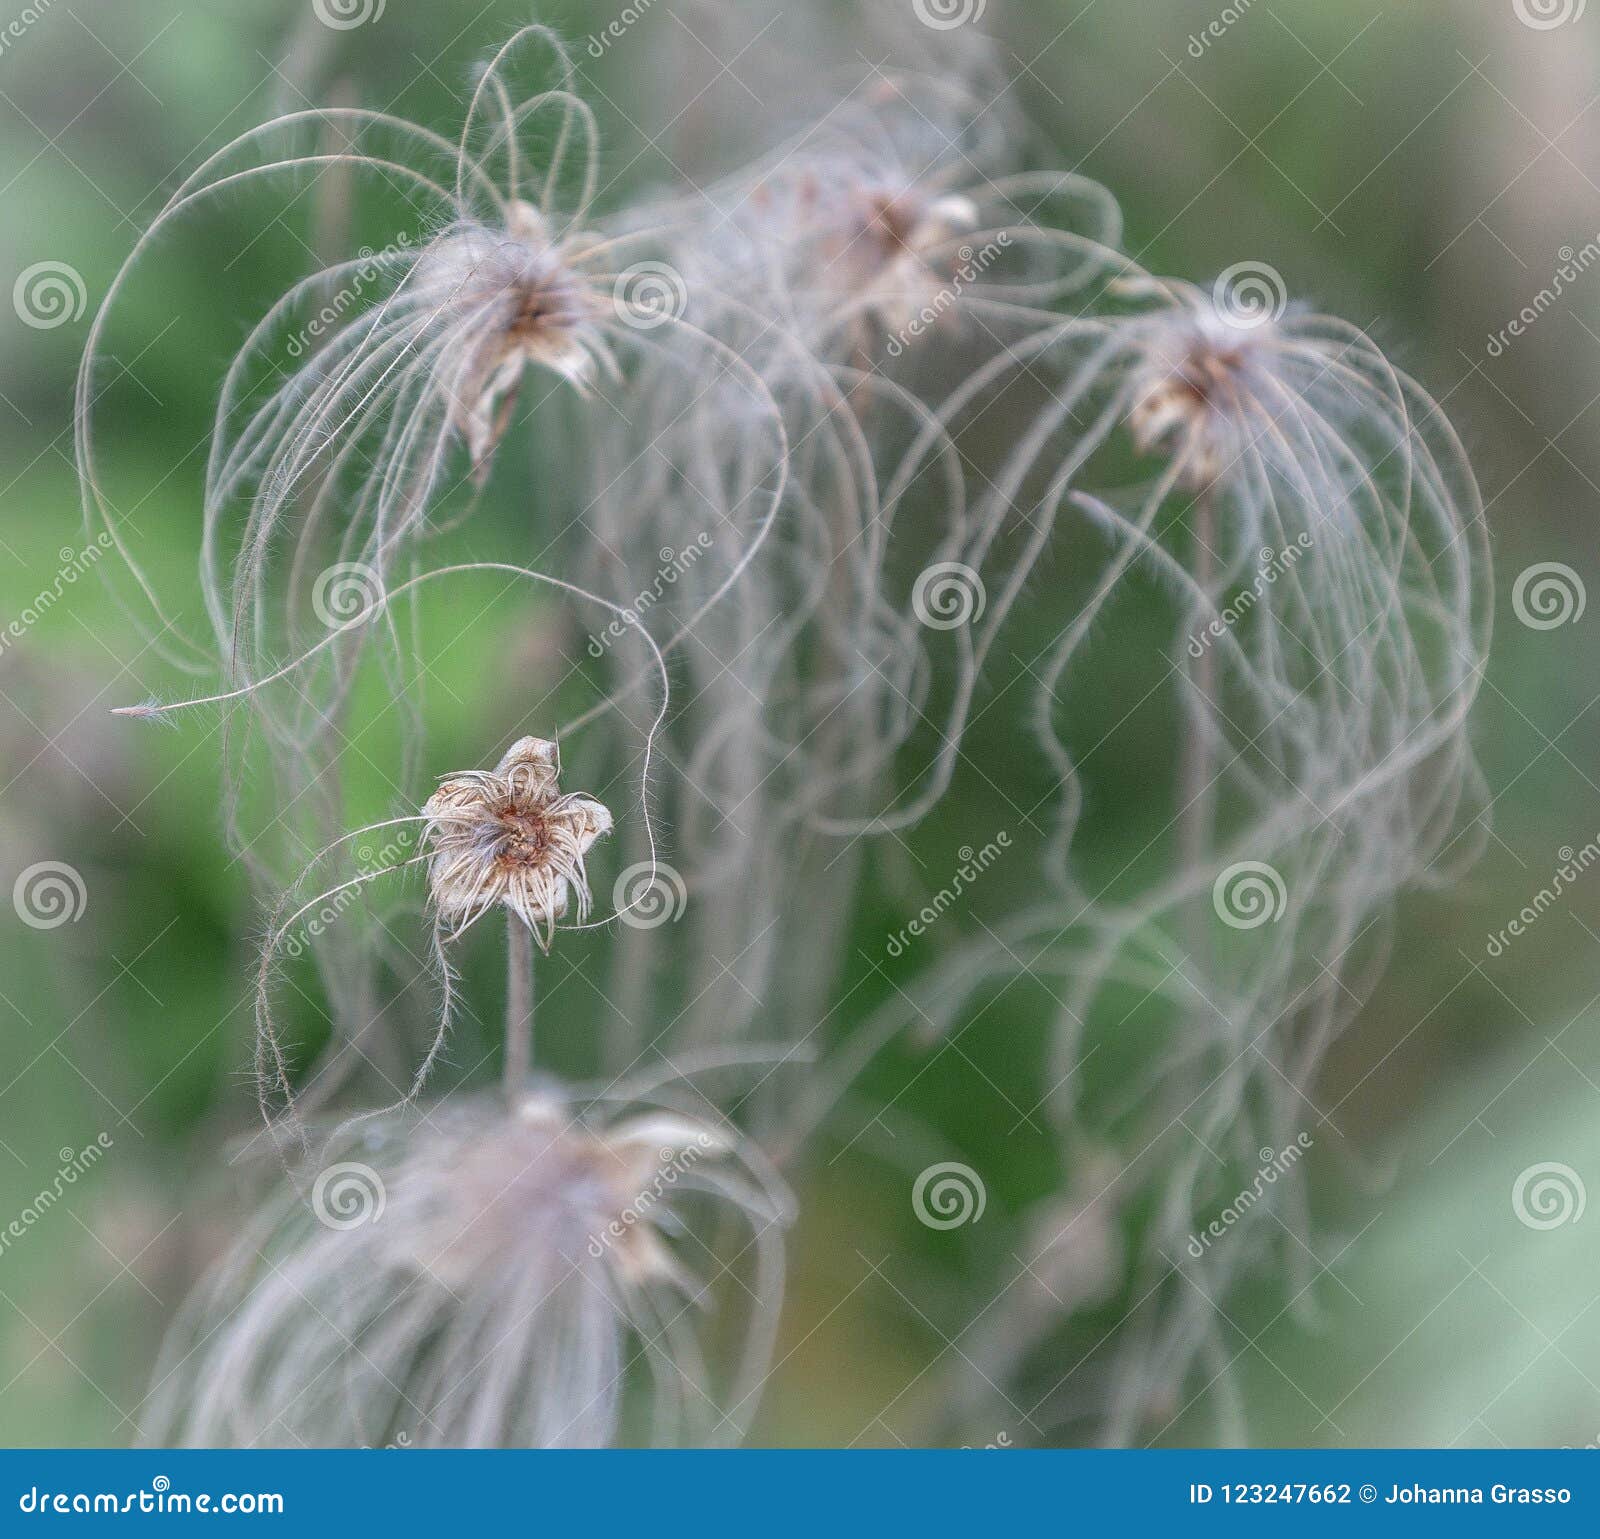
(1423, 167)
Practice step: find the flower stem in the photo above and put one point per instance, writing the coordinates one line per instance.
(519, 1007)
(1195, 790)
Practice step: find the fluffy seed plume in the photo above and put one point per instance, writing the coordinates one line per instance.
(1193, 393)
(476, 1275)
(521, 302)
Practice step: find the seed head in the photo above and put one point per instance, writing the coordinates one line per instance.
(479, 1276)
(1193, 394)
(892, 256)
(585, 1190)
(519, 300)
(508, 835)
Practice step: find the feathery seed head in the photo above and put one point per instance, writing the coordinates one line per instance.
(490, 1277)
(520, 302)
(892, 255)
(539, 1171)
(509, 836)
(1192, 391)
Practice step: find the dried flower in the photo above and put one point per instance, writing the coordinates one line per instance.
(508, 835)
(898, 215)
(483, 1276)
(516, 297)
(1193, 391)
(579, 1186)
(898, 251)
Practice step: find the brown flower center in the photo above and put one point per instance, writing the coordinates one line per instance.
(526, 837)
(891, 224)
(543, 312)
(1208, 374)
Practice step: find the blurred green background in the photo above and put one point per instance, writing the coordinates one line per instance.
(1417, 167)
